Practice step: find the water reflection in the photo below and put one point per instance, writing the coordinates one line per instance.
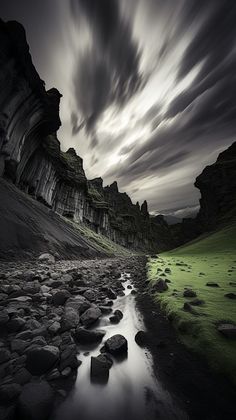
(132, 391)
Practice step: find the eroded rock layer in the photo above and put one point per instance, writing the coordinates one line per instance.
(31, 158)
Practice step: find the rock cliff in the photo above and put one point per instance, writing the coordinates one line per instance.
(217, 184)
(31, 158)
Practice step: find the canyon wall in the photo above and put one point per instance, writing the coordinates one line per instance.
(217, 184)
(31, 158)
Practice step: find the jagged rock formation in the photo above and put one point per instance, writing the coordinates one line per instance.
(217, 184)
(31, 158)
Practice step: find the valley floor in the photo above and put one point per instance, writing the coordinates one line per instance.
(36, 301)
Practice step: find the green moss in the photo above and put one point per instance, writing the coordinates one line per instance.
(214, 257)
(101, 242)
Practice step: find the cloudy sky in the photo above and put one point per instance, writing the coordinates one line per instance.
(148, 87)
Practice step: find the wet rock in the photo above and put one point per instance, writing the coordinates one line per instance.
(79, 303)
(70, 319)
(4, 317)
(230, 295)
(40, 360)
(84, 336)
(100, 367)
(66, 372)
(36, 401)
(90, 295)
(105, 309)
(54, 327)
(109, 292)
(117, 345)
(212, 284)
(189, 293)
(141, 338)
(48, 258)
(129, 286)
(16, 324)
(90, 316)
(116, 317)
(60, 297)
(9, 392)
(22, 376)
(69, 358)
(5, 355)
(228, 330)
(160, 286)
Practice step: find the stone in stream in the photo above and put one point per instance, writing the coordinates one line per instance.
(141, 338)
(117, 345)
(228, 330)
(116, 317)
(41, 359)
(84, 336)
(36, 401)
(90, 316)
(100, 367)
(189, 293)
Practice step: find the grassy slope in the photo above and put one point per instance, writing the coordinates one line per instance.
(215, 256)
(101, 242)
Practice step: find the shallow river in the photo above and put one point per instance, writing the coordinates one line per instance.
(132, 391)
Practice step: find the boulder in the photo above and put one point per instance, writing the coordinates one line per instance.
(84, 336)
(160, 286)
(228, 330)
(70, 319)
(60, 297)
(48, 258)
(9, 392)
(117, 345)
(41, 359)
(116, 317)
(15, 324)
(90, 295)
(212, 284)
(100, 367)
(5, 355)
(36, 401)
(141, 338)
(79, 303)
(90, 316)
(189, 293)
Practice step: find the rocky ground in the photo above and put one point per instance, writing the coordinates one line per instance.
(47, 308)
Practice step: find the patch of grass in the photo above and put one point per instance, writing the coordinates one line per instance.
(210, 258)
(101, 242)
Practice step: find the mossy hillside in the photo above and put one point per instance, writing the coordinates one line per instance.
(101, 242)
(209, 259)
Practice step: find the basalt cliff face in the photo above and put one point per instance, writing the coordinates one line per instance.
(31, 158)
(217, 184)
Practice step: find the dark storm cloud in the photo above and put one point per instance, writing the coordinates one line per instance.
(108, 72)
(214, 47)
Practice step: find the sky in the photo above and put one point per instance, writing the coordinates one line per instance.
(148, 88)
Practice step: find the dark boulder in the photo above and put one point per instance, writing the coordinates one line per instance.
(117, 345)
(189, 293)
(40, 360)
(90, 316)
(84, 336)
(36, 401)
(100, 367)
(141, 338)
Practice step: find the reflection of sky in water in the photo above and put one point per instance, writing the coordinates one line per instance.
(132, 392)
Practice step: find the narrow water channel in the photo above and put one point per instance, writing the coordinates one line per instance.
(132, 391)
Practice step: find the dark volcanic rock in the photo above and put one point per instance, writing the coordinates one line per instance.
(160, 286)
(100, 367)
(84, 336)
(41, 359)
(36, 401)
(141, 338)
(90, 316)
(189, 293)
(9, 392)
(117, 345)
(228, 330)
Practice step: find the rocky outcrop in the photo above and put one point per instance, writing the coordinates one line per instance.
(217, 184)
(31, 158)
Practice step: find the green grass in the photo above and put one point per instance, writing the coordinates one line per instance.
(212, 255)
(101, 242)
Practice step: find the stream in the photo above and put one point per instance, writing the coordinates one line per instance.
(132, 391)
